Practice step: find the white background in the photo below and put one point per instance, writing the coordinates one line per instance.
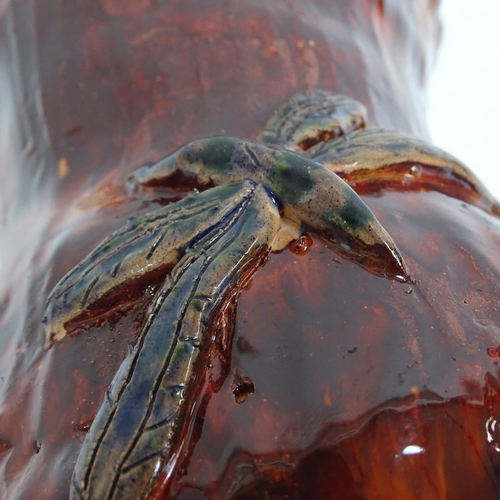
(464, 88)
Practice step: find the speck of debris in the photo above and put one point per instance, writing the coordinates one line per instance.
(244, 386)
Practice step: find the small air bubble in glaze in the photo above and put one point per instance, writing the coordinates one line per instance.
(302, 245)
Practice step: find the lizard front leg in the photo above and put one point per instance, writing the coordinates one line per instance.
(310, 194)
(145, 247)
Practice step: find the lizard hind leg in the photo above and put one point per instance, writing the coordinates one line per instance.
(311, 118)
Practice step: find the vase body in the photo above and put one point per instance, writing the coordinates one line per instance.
(364, 388)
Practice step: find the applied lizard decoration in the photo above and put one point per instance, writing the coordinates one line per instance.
(210, 243)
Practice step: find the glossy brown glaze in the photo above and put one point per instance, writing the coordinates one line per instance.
(117, 83)
(332, 373)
